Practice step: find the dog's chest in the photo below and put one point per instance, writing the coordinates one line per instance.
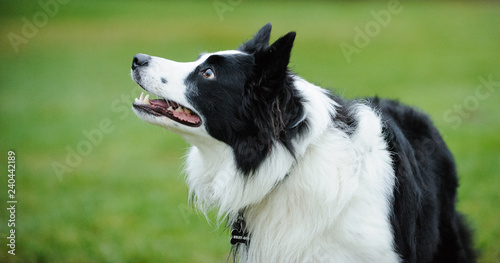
(323, 215)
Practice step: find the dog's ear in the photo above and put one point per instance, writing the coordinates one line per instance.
(268, 96)
(272, 62)
(259, 41)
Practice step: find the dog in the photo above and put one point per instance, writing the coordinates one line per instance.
(301, 174)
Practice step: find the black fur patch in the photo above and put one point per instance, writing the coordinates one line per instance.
(426, 226)
(344, 118)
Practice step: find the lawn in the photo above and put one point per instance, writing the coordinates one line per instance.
(96, 184)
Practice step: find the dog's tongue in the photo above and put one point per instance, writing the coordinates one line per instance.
(161, 103)
(186, 116)
(180, 112)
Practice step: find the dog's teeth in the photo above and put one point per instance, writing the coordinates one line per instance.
(170, 108)
(179, 109)
(142, 96)
(146, 99)
(186, 110)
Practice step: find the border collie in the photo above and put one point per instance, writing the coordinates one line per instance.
(301, 174)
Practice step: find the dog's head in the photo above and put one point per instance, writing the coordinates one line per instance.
(244, 98)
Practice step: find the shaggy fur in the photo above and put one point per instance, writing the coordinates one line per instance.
(316, 178)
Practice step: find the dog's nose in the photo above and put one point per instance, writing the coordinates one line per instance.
(140, 60)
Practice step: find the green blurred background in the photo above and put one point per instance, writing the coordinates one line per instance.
(96, 184)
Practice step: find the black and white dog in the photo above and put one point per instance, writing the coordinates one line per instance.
(304, 175)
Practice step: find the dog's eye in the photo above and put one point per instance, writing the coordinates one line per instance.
(208, 73)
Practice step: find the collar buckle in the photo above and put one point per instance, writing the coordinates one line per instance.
(239, 234)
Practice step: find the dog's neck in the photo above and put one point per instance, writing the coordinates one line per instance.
(214, 179)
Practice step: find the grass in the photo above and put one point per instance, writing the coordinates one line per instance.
(125, 200)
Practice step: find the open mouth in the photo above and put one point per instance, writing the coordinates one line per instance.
(170, 109)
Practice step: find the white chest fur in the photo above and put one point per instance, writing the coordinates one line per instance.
(333, 207)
